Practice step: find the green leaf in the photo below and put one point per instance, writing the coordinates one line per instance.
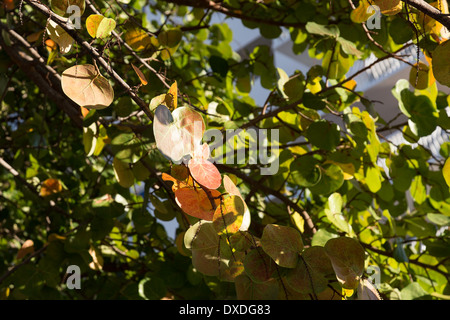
(305, 171)
(329, 30)
(347, 259)
(282, 244)
(413, 291)
(324, 135)
(439, 219)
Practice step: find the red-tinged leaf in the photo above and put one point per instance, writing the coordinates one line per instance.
(204, 171)
(177, 133)
(196, 203)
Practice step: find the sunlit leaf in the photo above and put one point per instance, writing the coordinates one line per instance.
(203, 170)
(99, 26)
(446, 171)
(140, 75)
(177, 133)
(88, 88)
(49, 187)
(60, 36)
(229, 215)
(197, 203)
(231, 188)
(366, 291)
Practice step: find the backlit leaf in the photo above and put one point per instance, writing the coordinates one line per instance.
(203, 170)
(347, 259)
(123, 173)
(229, 215)
(177, 133)
(231, 188)
(196, 203)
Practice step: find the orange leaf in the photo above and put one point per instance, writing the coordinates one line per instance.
(140, 75)
(27, 247)
(49, 187)
(196, 203)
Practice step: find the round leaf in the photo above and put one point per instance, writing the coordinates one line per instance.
(282, 244)
(86, 87)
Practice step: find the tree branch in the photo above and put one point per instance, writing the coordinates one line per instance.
(431, 11)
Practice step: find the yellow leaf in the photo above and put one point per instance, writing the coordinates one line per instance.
(361, 14)
(347, 168)
(172, 96)
(446, 171)
(49, 187)
(97, 259)
(27, 247)
(54, 237)
(298, 221)
(389, 7)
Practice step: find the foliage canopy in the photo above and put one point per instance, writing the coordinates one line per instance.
(104, 138)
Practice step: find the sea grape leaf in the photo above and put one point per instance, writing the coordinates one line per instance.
(49, 187)
(312, 272)
(229, 215)
(305, 171)
(99, 26)
(446, 171)
(196, 203)
(389, 7)
(423, 79)
(203, 170)
(440, 65)
(282, 244)
(27, 247)
(62, 7)
(205, 247)
(246, 289)
(323, 134)
(86, 87)
(347, 259)
(361, 13)
(139, 40)
(170, 38)
(231, 188)
(123, 173)
(60, 36)
(258, 265)
(177, 133)
(366, 291)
